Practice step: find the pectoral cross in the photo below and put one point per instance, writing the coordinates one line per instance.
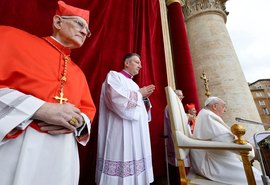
(61, 98)
(205, 79)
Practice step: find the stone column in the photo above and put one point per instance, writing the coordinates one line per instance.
(213, 52)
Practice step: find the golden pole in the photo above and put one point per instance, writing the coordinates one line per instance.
(167, 44)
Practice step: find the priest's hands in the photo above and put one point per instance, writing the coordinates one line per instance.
(56, 118)
(146, 91)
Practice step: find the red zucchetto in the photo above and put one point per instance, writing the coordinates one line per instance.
(67, 10)
(189, 106)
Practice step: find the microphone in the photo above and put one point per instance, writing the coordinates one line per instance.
(250, 122)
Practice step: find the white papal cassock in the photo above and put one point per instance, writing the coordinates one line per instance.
(124, 151)
(221, 166)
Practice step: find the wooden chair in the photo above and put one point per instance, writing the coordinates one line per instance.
(183, 143)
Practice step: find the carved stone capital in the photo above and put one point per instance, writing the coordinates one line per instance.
(197, 7)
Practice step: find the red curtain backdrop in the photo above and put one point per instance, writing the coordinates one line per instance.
(118, 27)
(182, 56)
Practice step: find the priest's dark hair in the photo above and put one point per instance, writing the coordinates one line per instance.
(129, 55)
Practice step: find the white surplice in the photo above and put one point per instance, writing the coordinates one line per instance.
(33, 157)
(220, 166)
(124, 151)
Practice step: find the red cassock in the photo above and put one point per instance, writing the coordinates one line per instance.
(35, 65)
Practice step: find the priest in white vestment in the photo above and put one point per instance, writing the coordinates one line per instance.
(124, 151)
(220, 166)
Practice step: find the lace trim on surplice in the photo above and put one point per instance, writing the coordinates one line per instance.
(123, 169)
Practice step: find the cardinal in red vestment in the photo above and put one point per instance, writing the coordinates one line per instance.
(191, 113)
(45, 103)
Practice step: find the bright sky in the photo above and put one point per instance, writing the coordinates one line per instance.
(248, 24)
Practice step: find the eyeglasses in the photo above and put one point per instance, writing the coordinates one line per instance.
(79, 24)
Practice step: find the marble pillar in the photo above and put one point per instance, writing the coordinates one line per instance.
(213, 53)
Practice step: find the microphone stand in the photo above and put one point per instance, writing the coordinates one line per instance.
(251, 122)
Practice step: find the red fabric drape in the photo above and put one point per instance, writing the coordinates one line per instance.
(117, 26)
(184, 78)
